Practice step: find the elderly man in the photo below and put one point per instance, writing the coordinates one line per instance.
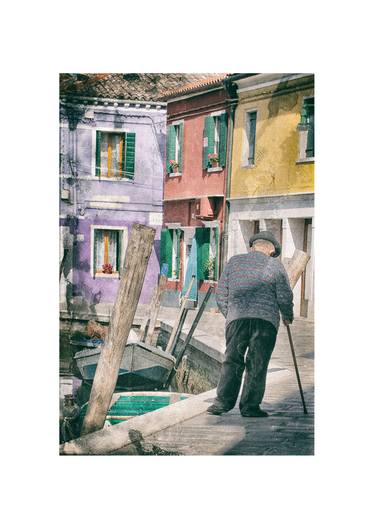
(252, 290)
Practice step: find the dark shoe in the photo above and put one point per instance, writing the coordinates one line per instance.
(255, 412)
(217, 409)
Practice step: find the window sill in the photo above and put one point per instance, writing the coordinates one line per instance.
(248, 166)
(111, 179)
(209, 281)
(214, 169)
(305, 160)
(174, 174)
(105, 275)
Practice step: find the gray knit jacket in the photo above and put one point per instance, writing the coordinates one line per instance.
(254, 285)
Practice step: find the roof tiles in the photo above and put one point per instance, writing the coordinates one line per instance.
(133, 86)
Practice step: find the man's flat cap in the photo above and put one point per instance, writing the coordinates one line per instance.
(267, 236)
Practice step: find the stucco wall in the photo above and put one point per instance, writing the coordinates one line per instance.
(194, 181)
(104, 202)
(276, 170)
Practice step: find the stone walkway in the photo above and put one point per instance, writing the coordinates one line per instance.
(287, 430)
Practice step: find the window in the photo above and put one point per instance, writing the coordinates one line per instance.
(107, 252)
(216, 134)
(175, 144)
(215, 141)
(207, 252)
(115, 155)
(170, 251)
(306, 129)
(250, 127)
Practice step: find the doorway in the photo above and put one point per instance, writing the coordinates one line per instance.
(306, 275)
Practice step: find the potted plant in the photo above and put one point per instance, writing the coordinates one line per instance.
(209, 268)
(173, 166)
(107, 268)
(213, 159)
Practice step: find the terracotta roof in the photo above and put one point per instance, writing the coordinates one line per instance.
(207, 81)
(136, 86)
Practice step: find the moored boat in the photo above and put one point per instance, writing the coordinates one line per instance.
(142, 366)
(126, 405)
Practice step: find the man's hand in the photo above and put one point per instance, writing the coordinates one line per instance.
(287, 322)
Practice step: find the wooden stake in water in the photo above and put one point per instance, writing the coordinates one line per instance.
(132, 277)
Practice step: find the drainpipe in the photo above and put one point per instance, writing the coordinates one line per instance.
(232, 89)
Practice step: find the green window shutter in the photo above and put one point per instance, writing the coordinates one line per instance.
(123, 155)
(129, 155)
(216, 277)
(252, 131)
(178, 258)
(94, 258)
(202, 236)
(118, 251)
(181, 153)
(310, 138)
(98, 149)
(166, 250)
(223, 140)
(208, 139)
(171, 145)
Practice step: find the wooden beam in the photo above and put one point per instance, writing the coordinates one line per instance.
(132, 277)
(295, 266)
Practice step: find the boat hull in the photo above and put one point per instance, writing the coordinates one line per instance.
(126, 405)
(142, 366)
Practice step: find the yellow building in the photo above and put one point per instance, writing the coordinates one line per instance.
(272, 171)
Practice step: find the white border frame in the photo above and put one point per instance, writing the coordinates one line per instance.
(124, 244)
(93, 152)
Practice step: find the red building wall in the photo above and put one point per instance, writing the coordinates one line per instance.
(195, 182)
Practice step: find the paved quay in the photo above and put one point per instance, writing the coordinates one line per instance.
(287, 430)
(185, 428)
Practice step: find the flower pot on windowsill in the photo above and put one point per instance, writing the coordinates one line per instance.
(214, 163)
(175, 169)
(107, 268)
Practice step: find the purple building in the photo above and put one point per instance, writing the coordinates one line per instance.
(112, 163)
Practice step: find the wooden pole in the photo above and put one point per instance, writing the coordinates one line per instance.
(190, 334)
(132, 277)
(295, 266)
(146, 321)
(180, 315)
(294, 269)
(155, 306)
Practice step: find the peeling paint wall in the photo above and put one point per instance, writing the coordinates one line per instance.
(276, 169)
(87, 200)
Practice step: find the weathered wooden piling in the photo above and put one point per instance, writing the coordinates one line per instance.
(132, 276)
(295, 268)
(155, 306)
(296, 265)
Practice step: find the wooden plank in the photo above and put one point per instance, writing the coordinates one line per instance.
(132, 277)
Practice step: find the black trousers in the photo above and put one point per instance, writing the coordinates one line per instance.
(258, 337)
